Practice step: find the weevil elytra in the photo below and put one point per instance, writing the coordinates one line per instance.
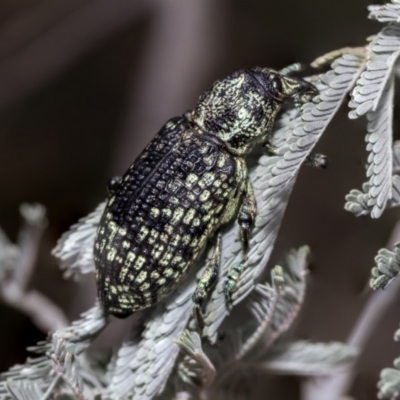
(188, 181)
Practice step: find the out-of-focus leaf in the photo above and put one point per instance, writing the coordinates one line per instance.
(387, 268)
(305, 358)
(75, 248)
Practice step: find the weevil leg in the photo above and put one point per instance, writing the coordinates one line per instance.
(316, 160)
(247, 214)
(113, 184)
(207, 281)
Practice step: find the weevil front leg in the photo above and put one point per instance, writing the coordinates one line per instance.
(314, 159)
(207, 281)
(247, 214)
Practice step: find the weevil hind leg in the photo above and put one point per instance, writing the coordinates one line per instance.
(246, 217)
(207, 281)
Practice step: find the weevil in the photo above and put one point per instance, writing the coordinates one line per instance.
(189, 180)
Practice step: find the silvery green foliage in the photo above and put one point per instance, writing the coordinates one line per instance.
(120, 376)
(264, 309)
(154, 357)
(389, 383)
(373, 96)
(291, 295)
(196, 368)
(235, 350)
(309, 359)
(58, 356)
(389, 12)
(24, 390)
(382, 53)
(387, 268)
(146, 368)
(273, 179)
(75, 247)
(377, 192)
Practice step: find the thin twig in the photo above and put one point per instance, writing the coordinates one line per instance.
(51, 387)
(46, 315)
(29, 237)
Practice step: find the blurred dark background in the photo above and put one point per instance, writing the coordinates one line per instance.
(85, 84)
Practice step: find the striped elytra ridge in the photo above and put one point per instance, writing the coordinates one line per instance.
(187, 182)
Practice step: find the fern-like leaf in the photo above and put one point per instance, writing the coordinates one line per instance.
(378, 190)
(196, 367)
(24, 390)
(387, 268)
(156, 354)
(291, 295)
(389, 12)
(273, 179)
(75, 247)
(304, 358)
(121, 382)
(268, 307)
(389, 383)
(66, 364)
(383, 52)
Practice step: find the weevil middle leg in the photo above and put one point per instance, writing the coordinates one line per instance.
(207, 281)
(246, 217)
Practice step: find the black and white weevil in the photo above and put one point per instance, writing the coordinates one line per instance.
(188, 181)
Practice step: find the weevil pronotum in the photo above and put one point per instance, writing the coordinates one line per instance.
(188, 181)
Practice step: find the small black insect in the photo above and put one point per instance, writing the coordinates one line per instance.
(190, 179)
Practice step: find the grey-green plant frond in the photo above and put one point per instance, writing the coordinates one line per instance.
(120, 381)
(380, 161)
(389, 382)
(291, 295)
(66, 365)
(196, 367)
(387, 268)
(75, 247)
(389, 12)
(273, 179)
(24, 390)
(260, 301)
(357, 201)
(278, 280)
(156, 354)
(83, 331)
(58, 354)
(304, 358)
(382, 54)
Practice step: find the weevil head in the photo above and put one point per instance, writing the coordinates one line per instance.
(240, 110)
